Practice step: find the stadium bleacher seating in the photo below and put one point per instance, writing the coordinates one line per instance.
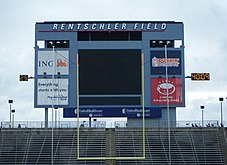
(190, 146)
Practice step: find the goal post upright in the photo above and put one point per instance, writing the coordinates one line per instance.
(143, 121)
(78, 105)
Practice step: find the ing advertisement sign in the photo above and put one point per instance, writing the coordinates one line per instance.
(54, 92)
(49, 62)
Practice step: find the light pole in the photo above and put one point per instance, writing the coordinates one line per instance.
(10, 111)
(52, 128)
(202, 108)
(56, 116)
(221, 100)
(167, 102)
(13, 111)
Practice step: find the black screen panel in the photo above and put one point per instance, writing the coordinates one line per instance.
(110, 72)
(110, 101)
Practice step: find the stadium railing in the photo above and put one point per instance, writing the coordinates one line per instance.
(100, 124)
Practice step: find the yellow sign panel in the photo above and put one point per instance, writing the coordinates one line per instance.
(23, 77)
(200, 76)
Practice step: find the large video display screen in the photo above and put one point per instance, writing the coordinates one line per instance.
(110, 72)
(110, 77)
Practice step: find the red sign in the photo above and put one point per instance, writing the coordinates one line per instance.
(160, 89)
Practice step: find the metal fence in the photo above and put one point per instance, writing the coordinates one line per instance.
(101, 124)
(59, 124)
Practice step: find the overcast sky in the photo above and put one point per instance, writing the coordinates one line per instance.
(205, 23)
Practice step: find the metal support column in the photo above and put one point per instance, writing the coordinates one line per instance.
(46, 117)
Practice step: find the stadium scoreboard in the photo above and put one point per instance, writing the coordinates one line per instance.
(108, 56)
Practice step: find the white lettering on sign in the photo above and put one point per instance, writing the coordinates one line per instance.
(124, 26)
(93, 27)
(101, 26)
(78, 26)
(161, 62)
(71, 26)
(148, 26)
(63, 26)
(155, 26)
(116, 26)
(109, 26)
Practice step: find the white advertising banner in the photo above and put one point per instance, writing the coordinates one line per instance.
(52, 92)
(50, 62)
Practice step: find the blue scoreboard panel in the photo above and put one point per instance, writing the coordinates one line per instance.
(101, 64)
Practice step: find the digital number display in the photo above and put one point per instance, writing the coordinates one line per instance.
(23, 77)
(200, 76)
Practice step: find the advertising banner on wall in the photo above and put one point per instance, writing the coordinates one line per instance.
(52, 92)
(159, 89)
(158, 62)
(53, 61)
(130, 112)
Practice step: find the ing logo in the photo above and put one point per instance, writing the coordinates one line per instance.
(61, 63)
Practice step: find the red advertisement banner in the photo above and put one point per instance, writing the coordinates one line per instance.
(160, 88)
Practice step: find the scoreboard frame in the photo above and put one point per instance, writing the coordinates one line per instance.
(68, 47)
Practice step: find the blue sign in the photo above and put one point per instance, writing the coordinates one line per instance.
(130, 112)
(173, 61)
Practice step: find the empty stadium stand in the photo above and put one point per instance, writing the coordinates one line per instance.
(188, 146)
